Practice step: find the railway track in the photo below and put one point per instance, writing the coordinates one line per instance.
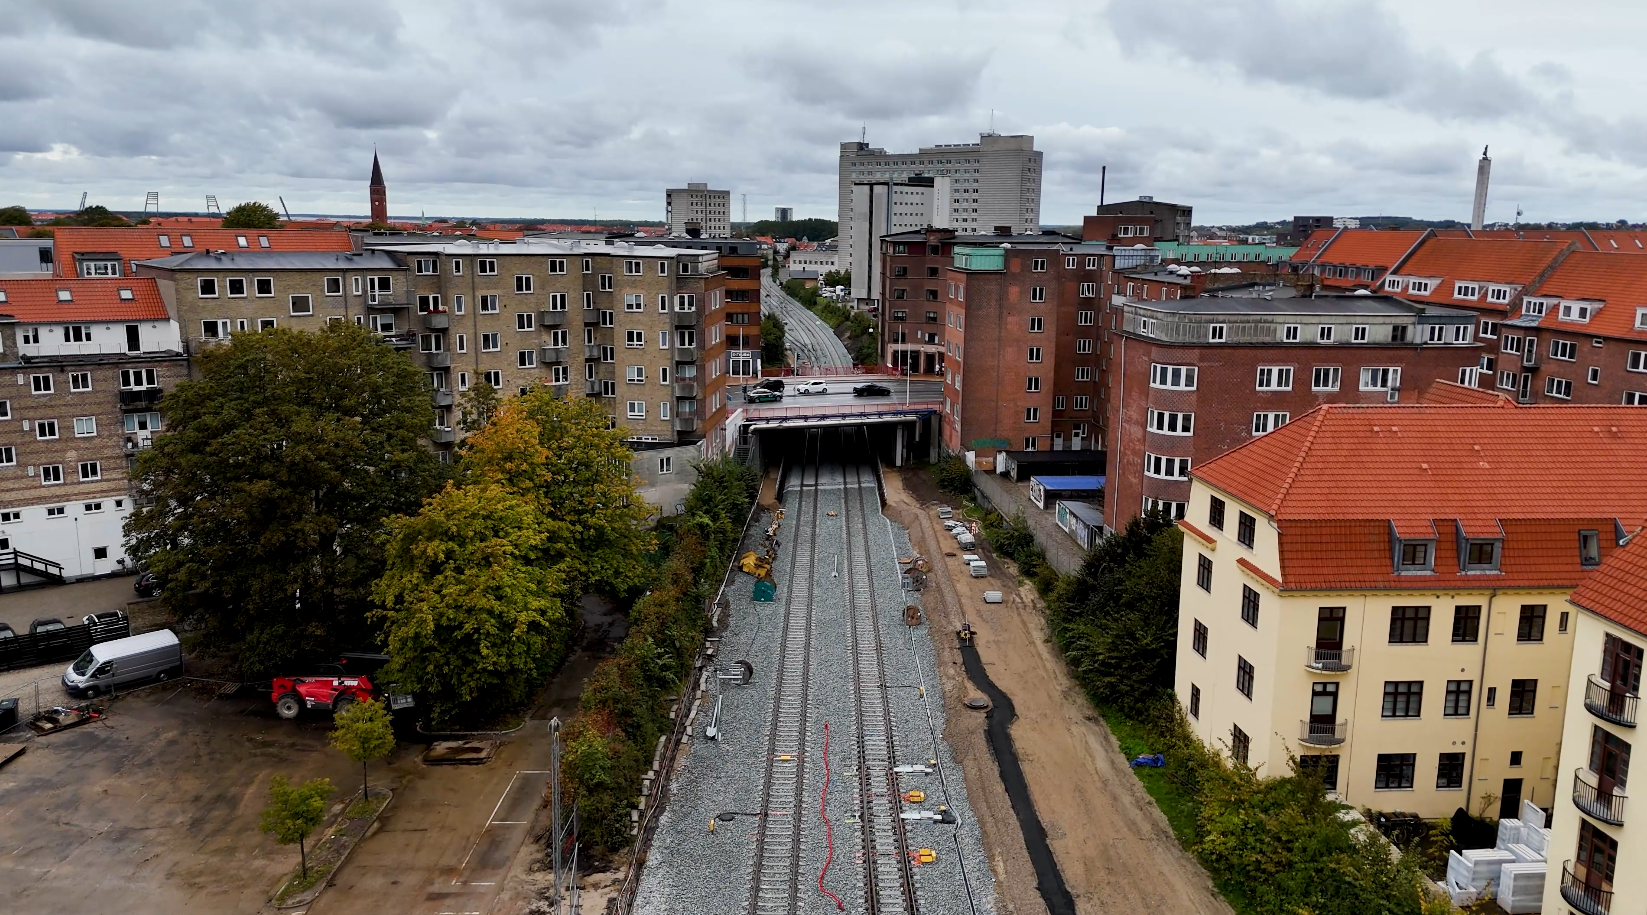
(775, 879)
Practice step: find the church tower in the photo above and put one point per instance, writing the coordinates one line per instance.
(379, 192)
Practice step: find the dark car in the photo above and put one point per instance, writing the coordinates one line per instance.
(761, 395)
(871, 389)
(6, 632)
(46, 624)
(770, 384)
(147, 585)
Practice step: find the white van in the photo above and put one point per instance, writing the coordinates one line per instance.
(107, 665)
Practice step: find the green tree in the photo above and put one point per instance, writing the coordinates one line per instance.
(270, 490)
(15, 216)
(774, 340)
(952, 475)
(294, 811)
(477, 406)
(94, 215)
(837, 278)
(804, 229)
(251, 215)
(363, 732)
(475, 599)
(1117, 619)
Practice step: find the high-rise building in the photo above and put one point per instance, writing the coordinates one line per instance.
(993, 182)
(698, 211)
(783, 214)
(1483, 171)
(881, 208)
(379, 193)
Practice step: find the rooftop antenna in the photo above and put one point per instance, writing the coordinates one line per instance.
(283, 208)
(863, 134)
(746, 209)
(153, 198)
(82, 200)
(211, 205)
(1103, 179)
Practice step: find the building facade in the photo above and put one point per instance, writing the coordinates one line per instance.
(1167, 221)
(698, 211)
(783, 214)
(1192, 378)
(91, 360)
(1390, 611)
(882, 208)
(993, 182)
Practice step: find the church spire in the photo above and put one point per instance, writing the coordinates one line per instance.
(378, 192)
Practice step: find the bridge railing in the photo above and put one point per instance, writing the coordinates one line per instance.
(755, 414)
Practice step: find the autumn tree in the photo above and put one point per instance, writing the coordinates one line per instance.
(363, 732)
(251, 215)
(294, 811)
(266, 499)
(476, 406)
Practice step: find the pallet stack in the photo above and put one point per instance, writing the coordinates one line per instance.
(1512, 873)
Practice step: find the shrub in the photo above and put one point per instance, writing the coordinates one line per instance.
(952, 475)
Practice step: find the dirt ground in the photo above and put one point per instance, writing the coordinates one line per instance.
(1113, 846)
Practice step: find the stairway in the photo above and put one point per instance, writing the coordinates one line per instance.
(27, 570)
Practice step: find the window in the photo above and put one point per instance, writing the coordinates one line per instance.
(302, 305)
(1421, 287)
(426, 266)
(1558, 387)
(1243, 676)
(494, 378)
(1203, 573)
(1215, 513)
(1324, 333)
(524, 320)
(634, 339)
(1492, 696)
(1032, 384)
(1530, 627)
(1467, 623)
(1198, 641)
(1032, 414)
(45, 429)
(631, 268)
(1038, 265)
(1084, 373)
(1172, 377)
(1088, 290)
(606, 282)
(1409, 625)
(1403, 698)
(487, 266)
(457, 267)
(488, 304)
(1163, 467)
(634, 301)
(1321, 766)
(1594, 376)
(1415, 556)
(1457, 704)
(1216, 332)
(1589, 548)
(588, 265)
(85, 426)
(1358, 333)
(1577, 311)
(1195, 701)
(236, 287)
(559, 374)
(1325, 377)
(1166, 509)
(1037, 324)
(1246, 527)
(1394, 771)
(635, 374)
(50, 475)
(1449, 771)
(1565, 350)
(490, 343)
(91, 470)
(1290, 333)
(666, 464)
(1084, 319)
(1034, 354)
(40, 384)
(1083, 345)
(1249, 606)
(1275, 378)
(526, 358)
(1523, 697)
(636, 409)
(1268, 422)
(80, 381)
(1380, 379)
(523, 283)
(1240, 745)
(206, 287)
(8, 458)
(334, 285)
(1166, 422)
(1481, 556)
(1037, 293)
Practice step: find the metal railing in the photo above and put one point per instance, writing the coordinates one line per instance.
(140, 397)
(1323, 733)
(1605, 805)
(1591, 900)
(1608, 704)
(1329, 660)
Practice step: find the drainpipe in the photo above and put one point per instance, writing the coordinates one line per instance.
(1481, 704)
(1360, 643)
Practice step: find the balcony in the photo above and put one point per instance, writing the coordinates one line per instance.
(404, 340)
(685, 318)
(686, 424)
(549, 318)
(592, 388)
(443, 435)
(141, 399)
(1610, 705)
(442, 398)
(438, 360)
(686, 389)
(1322, 733)
(138, 442)
(552, 354)
(686, 353)
(388, 300)
(1328, 660)
(1590, 900)
(437, 320)
(1606, 806)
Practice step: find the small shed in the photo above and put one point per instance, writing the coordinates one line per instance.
(1044, 491)
(1082, 520)
(1019, 466)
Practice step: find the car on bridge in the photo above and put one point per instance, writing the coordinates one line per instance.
(871, 389)
(770, 384)
(762, 395)
(815, 386)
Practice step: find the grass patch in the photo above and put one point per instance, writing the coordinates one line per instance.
(1181, 808)
(299, 884)
(365, 808)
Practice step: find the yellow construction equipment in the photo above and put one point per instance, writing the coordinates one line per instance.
(755, 564)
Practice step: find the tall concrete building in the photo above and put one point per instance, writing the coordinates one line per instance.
(881, 208)
(783, 214)
(993, 182)
(1483, 172)
(698, 211)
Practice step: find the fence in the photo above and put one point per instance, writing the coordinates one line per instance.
(35, 648)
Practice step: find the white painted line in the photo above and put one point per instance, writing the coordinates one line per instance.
(501, 799)
(507, 823)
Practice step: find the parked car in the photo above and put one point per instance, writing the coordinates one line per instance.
(105, 618)
(815, 386)
(116, 663)
(6, 632)
(871, 389)
(763, 396)
(770, 384)
(147, 585)
(46, 624)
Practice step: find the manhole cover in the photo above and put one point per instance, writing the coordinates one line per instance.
(977, 702)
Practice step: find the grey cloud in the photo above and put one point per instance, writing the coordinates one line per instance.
(885, 80)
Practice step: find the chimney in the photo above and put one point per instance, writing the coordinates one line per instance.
(1483, 170)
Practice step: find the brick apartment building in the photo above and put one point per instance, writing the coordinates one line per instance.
(1580, 334)
(91, 359)
(1192, 378)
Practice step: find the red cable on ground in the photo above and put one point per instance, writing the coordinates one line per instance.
(828, 838)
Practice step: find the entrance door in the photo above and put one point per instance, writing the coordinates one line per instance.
(1597, 857)
(1610, 761)
(1323, 709)
(134, 340)
(1509, 806)
(1329, 639)
(1526, 391)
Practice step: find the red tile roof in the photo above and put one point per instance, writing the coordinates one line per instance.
(1618, 590)
(1618, 281)
(1370, 247)
(36, 301)
(1619, 241)
(140, 243)
(1498, 261)
(1313, 245)
(1336, 479)
(1451, 392)
(186, 222)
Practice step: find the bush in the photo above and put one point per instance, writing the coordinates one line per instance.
(952, 475)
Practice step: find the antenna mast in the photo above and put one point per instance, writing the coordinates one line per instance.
(283, 208)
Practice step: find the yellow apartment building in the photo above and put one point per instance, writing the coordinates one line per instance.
(1381, 591)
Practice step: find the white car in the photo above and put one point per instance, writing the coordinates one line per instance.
(812, 387)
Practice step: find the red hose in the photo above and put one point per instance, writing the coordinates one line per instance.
(828, 838)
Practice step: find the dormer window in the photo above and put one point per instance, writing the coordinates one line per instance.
(1534, 307)
(1421, 287)
(1578, 311)
(1589, 548)
(1469, 291)
(1415, 556)
(1481, 555)
(1393, 283)
(1499, 294)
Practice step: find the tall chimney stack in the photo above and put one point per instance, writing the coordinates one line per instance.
(1483, 170)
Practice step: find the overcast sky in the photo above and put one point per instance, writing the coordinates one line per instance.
(1245, 109)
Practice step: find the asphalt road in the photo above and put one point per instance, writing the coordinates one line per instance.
(840, 391)
(808, 336)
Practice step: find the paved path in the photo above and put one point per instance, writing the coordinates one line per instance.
(808, 336)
